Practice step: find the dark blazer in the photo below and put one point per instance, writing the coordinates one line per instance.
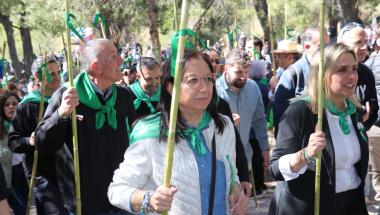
(297, 196)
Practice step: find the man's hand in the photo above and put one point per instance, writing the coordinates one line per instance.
(236, 118)
(367, 112)
(32, 139)
(266, 158)
(70, 100)
(246, 187)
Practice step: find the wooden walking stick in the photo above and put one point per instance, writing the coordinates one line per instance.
(175, 95)
(36, 152)
(320, 105)
(73, 118)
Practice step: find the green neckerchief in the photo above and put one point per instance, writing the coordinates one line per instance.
(141, 96)
(88, 97)
(6, 125)
(149, 127)
(35, 97)
(195, 134)
(350, 109)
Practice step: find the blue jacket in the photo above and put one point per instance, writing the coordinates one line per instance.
(291, 84)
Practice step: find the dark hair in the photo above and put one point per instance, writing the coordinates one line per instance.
(147, 62)
(3, 118)
(165, 100)
(258, 42)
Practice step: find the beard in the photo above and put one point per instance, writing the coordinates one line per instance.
(238, 83)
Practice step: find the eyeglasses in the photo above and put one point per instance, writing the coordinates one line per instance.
(195, 81)
(216, 61)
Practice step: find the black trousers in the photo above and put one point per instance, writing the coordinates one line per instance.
(257, 165)
(348, 203)
(48, 197)
(19, 190)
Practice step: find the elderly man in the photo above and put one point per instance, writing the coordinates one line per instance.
(104, 114)
(354, 36)
(21, 139)
(244, 97)
(146, 90)
(293, 79)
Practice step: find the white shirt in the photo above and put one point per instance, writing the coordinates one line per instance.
(347, 153)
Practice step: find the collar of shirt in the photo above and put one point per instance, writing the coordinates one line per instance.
(105, 94)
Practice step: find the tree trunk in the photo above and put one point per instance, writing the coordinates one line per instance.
(197, 24)
(153, 27)
(261, 7)
(26, 42)
(350, 10)
(7, 23)
(333, 16)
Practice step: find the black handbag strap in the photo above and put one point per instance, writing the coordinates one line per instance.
(213, 177)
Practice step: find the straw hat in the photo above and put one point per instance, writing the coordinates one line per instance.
(287, 46)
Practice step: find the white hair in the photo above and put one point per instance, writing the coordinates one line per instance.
(92, 51)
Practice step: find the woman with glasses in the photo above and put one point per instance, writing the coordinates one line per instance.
(343, 143)
(204, 176)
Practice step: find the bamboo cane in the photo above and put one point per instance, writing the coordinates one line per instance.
(320, 105)
(36, 152)
(73, 120)
(175, 95)
(3, 51)
(235, 33)
(271, 42)
(286, 21)
(175, 11)
(252, 179)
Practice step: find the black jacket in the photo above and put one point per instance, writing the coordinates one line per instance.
(100, 151)
(3, 188)
(143, 110)
(241, 159)
(297, 196)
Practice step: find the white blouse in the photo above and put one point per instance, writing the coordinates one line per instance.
(347, 153)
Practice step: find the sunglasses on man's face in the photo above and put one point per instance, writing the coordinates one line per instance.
(215, 61)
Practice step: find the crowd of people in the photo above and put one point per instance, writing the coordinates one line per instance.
(229, 99)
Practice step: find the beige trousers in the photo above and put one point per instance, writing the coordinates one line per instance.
(374, 158)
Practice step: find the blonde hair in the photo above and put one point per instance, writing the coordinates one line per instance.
(332, 54)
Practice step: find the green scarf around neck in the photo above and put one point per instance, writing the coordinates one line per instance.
(35, 97)
(149, 127)
(141, 96)
(350, 109)
(6, 125)
(88, 97)
(195, 134)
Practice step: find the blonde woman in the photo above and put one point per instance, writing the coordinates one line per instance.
(342, 141)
